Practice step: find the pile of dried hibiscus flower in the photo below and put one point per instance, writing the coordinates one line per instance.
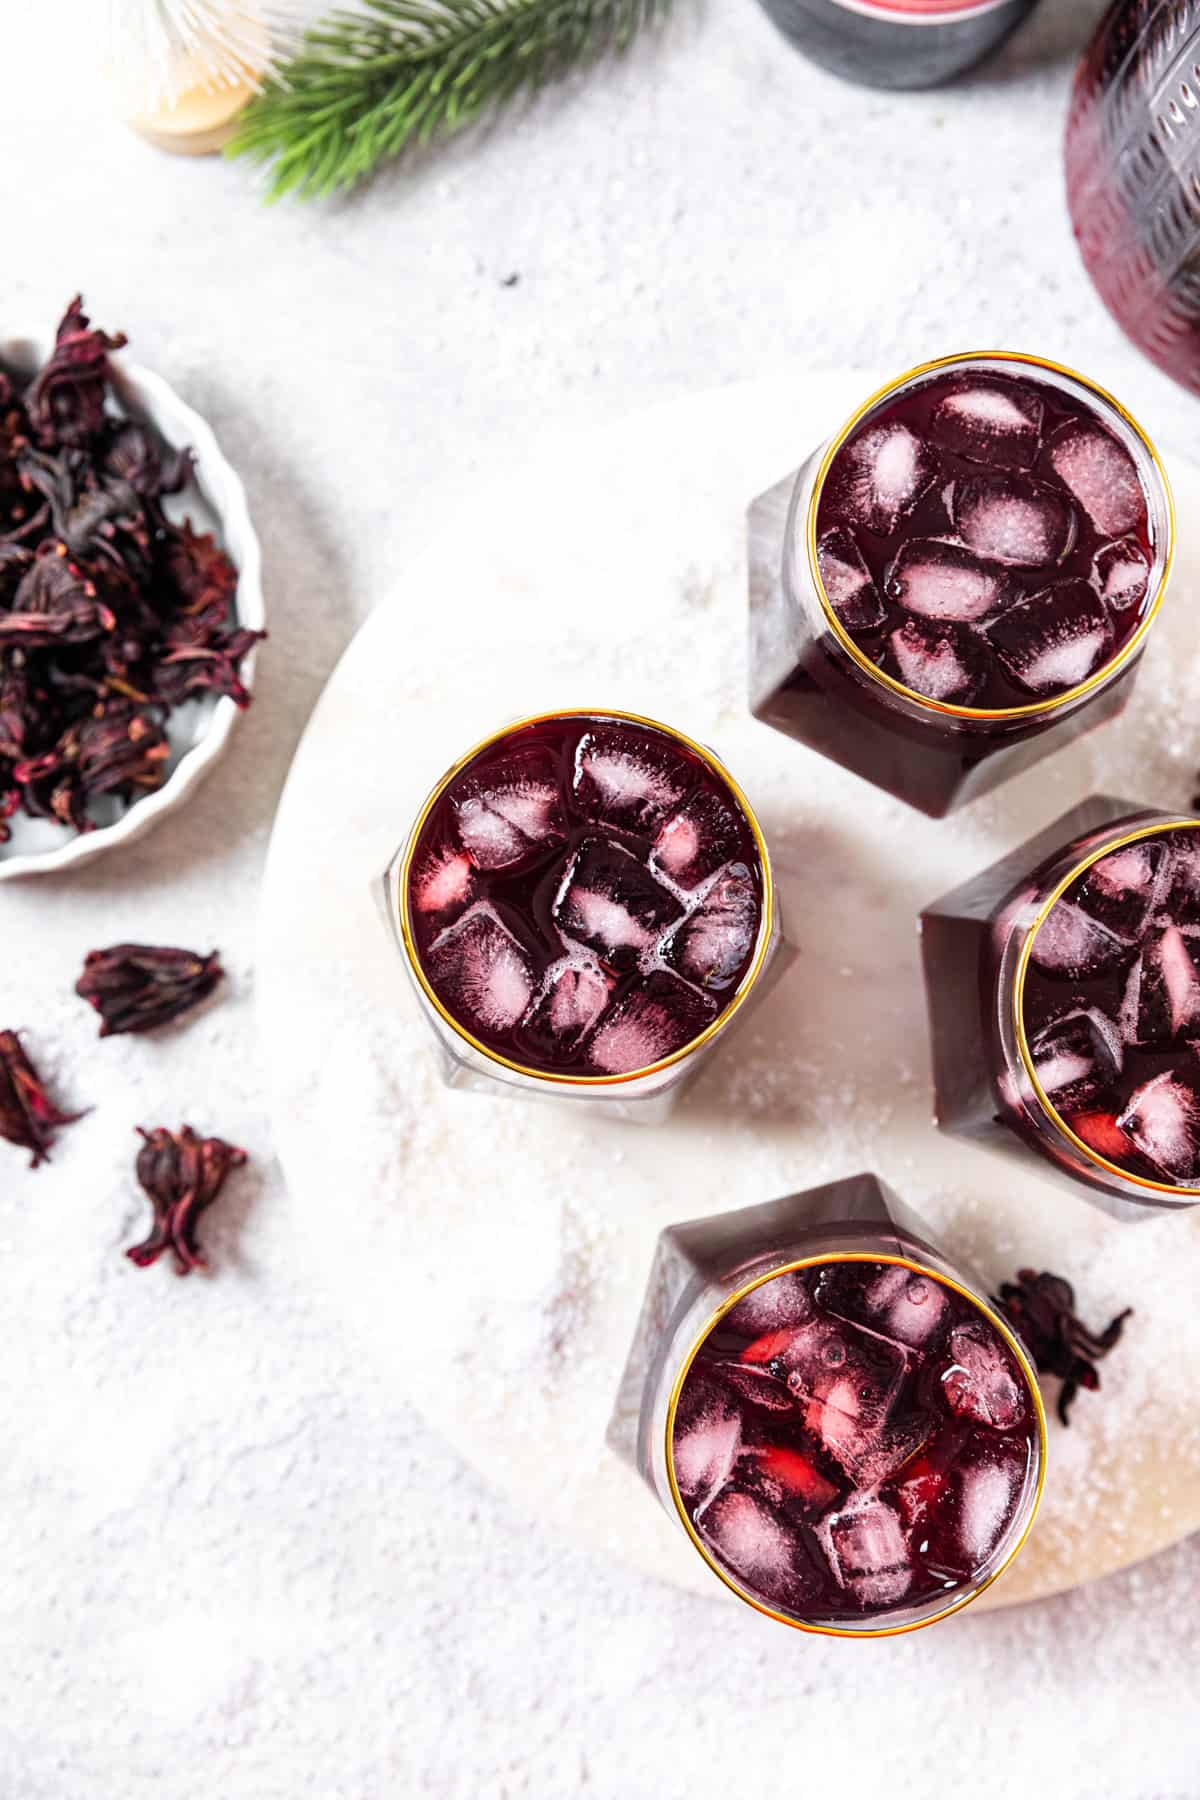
(111, 615)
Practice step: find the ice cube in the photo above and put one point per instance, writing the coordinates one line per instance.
(899, 1303)
(786, 1476)
(1071, 943)
(712, 944)
(609, 902)
(896, 1445)
(761, 1386)
(649, 1023)
(480, 971)
(751, 1540)
(706, 1438)
(443, 881)
(867, 1551)
(941, 580)
(1162, 1118)
(1123, 890)
(990, 421)
(1077, 1056)
(980, 1380)
(1102, 476)
(628, 778)
(1183, 901)
(1055, 639)
(781, 1303)
(846, 1380)
(1013, 519)
(696, 840)
(847, 581)
(987, 1499)
(880, 475)
(509, 810)
(1121, 574)
(941, 660)
(574, 994)
(1166, 991)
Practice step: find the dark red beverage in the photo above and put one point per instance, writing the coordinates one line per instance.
(985, 541)
(855, 1438)
(1064, 1000)
(968, 572)
(585, 896)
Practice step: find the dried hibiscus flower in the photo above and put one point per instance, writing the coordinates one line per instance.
(1042, 1307)
(135, 987)
(111, 614)
(182, 1174)
(66, 399)
(28, 1116)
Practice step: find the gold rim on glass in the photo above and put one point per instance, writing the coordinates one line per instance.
(1031, 1383)
(859, 656)
(736, 1001)
(1048, 1106)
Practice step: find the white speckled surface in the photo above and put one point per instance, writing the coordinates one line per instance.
(234, 1564)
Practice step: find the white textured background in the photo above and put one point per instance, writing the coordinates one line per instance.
(232, 1564)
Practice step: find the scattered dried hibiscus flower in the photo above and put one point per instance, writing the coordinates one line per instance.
(28, 1117)
(111, 614)
(182, 1174)
(136, 987)
(1042, 1307)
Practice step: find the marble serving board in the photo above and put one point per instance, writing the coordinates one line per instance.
(493, 1253)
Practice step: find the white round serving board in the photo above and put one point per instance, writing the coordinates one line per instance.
(492, 1251)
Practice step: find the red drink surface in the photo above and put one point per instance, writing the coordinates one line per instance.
(1111, 1006)
(586, 895)
(852, 1439)
(985, 540)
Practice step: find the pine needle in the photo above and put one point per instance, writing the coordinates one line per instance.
(365, 87)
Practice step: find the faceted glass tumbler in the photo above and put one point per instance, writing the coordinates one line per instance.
(703, 1267)
(975, 945)
(645, 1095)
(811, 680)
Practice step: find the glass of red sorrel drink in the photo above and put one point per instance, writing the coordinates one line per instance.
(1064, 1000)
(1132, 150)
(960, 580)
(897, 43)
(585, 904)
(849, 1432)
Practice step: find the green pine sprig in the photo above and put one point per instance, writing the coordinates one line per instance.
(364, 87)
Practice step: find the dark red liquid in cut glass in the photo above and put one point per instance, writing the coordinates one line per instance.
(985, 541)
(586, 896)
(1112, 1007)
(854, 1439)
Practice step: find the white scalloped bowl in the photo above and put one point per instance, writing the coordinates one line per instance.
(197, 732)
